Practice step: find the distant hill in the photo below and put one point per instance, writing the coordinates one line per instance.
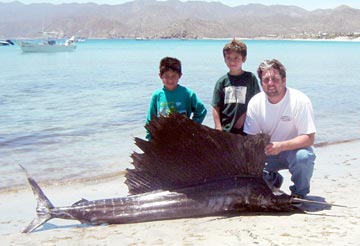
(176, 19)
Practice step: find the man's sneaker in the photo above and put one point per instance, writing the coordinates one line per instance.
(297, 196)
(274, 180)
(278, 182)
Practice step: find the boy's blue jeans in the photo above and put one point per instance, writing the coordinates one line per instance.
(300, 164)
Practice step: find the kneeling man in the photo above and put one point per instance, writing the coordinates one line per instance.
(286, 115)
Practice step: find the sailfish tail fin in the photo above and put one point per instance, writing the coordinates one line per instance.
(38, 221)
(43, 205)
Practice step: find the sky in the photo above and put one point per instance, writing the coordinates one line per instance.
(306, 4)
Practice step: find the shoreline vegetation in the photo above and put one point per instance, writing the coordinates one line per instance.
(337, 38)
(355, 36)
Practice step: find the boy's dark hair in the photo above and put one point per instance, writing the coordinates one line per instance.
(170, 64)
(237, 46)
(274, 64)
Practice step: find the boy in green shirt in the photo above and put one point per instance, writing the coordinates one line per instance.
(233, 90)
(174, 97)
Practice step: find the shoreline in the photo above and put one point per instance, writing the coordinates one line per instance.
(336, 39)
(328, 143)
(64, 182)
(121, 173)
(113, 175)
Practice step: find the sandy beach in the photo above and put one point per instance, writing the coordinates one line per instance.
(336, 180)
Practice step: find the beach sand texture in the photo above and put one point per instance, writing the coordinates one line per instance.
(336, 180)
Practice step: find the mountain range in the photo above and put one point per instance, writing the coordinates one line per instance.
(175, 19)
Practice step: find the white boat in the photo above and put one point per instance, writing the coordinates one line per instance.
(6, 42)
(47, 45)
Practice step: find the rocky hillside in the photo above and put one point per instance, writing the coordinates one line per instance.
(175, 19)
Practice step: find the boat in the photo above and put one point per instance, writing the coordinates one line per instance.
(80, 39)
(6, 42)
(48, 44)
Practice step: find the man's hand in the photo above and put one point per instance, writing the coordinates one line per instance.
(273, 148)
(302, 141)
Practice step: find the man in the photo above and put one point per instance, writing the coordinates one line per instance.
(286, 115)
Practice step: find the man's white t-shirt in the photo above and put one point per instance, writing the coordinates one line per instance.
(287, 119)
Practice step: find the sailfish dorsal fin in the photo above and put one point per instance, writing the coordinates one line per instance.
(182, 152)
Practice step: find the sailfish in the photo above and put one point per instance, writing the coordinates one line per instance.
(185, 170)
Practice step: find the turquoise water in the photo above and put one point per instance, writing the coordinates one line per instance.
(70, 115)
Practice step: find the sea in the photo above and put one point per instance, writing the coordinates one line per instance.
(74, 115)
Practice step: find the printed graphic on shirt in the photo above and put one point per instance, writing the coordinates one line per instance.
(235, 94)
(171, 107)
(285, 118)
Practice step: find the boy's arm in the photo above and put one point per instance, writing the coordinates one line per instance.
(217, 98)
(152, 112)
(216, 116)
(199, 109)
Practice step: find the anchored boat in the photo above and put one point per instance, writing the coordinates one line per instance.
(48, 44)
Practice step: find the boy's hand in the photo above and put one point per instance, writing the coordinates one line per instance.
(240, 122)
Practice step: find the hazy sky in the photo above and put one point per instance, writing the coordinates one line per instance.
(306, 4)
